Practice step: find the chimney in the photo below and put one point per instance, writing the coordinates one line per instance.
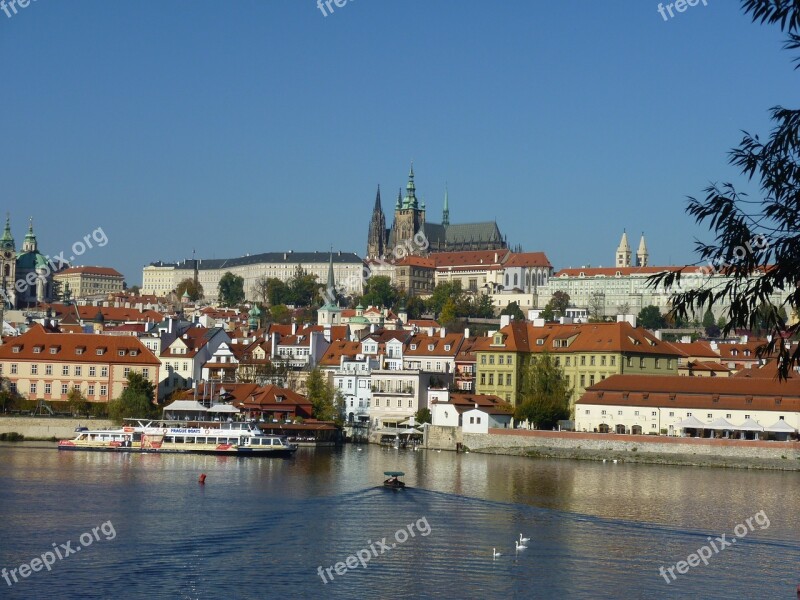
(294, 327)
(466, 332)
(274, 345)
(442, 333)
(327, 333)
(504, 320)
(495, 257)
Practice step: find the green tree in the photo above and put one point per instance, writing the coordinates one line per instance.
(423, 415)
(135, 401)
(514, 310)
(280, 313)
(484, 307)
(544, 393)
(415, 307)
(597, 306)
(378, 291)
(446, 290)
(231, 289)
(188, 285)
(302, 289)
(755, 236)
(326, 400)
(77, 402)
(9, 400)
(449, 314)
(556, 306)
(651, 318)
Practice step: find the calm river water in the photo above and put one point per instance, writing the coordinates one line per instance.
(262, 528)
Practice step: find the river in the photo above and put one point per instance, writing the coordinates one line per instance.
(267, 528)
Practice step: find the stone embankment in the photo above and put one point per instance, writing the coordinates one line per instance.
(47, 428)
(623, 448)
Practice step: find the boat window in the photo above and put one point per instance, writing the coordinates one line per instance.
(201, 440)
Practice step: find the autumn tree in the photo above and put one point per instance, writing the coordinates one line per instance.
(191, 287)
(544, 393)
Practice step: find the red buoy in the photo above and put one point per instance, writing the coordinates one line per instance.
(202, 478)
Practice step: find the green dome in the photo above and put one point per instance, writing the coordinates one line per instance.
(255, 311)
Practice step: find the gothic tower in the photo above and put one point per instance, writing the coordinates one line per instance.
(624, 251)
(376, 239)
(642, 256)
(446, 211)
(409, 216)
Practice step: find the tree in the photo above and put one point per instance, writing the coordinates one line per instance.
(135, 401)
(378, 291)
(514, 310)
(484, 308)
(261, 289)
(188, 285)
(134, 290)
(77, 402)
(651, 318)
(9, 399)
(597, 306)
(326, 400)
(231, 289)
(302, 289)
(280, 313)
(755, 242)
(446, 290)
(556, 307)
(415, 307)
(423, 415)
(544, 393)
(624, 308)
(449, 314)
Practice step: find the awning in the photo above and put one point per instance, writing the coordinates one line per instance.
(750, 425)
(223, 408)
(186, 406)
(691, 423)
(780, 426)
(721, 424)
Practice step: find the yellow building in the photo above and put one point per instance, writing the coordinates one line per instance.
(588, 353)
(43, 365)
(90, 281)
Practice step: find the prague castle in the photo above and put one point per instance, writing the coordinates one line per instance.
(410, 219)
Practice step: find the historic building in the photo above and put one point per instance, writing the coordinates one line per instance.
(410, 220)
(25, 276)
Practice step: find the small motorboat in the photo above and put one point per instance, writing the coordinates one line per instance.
(393, 480)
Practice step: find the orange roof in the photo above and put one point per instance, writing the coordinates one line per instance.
(416, 261)
(483, 258)
(338, 349)
(695, 392)
(700, 349)
(698, 365)
(107, 271)
(528, 259)
(623, 271)
(741, 352)
(36, 344)
(433, 345)
(489, 403)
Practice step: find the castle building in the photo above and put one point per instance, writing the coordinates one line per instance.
(410, 220)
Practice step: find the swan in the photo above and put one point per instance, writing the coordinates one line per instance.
(495, 553)
(520, 546)
(604, 460)
(522, 540)
(615, 461)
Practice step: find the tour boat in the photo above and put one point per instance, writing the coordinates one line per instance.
(236, 439)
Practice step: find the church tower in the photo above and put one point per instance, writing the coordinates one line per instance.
(8, 265)
(446, 211)
(642, 257)
(409, 216)
(624, 251)
(376, 239)
(29, 244)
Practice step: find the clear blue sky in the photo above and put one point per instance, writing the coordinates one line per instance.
(253, 126)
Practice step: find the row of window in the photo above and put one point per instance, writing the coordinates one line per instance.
(389, 403)
(77, 370)
(499, 379)
(671, 414)
(65, 387)
(501, 359)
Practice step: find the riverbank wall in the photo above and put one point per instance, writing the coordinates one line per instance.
(47, 428)
(622, 448)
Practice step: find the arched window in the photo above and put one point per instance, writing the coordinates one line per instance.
(528, 279)
(7, 270)
(506, 280)
(516, 279)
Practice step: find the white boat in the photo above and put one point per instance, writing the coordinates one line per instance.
(237, 439)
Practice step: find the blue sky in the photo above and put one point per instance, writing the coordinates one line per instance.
(248, 126)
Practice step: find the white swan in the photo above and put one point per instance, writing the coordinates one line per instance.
(604, 460)
(615, 461)
(520, 546)
(522, 540)
(495, 553)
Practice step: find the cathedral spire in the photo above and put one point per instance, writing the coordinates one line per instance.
(399, 202)
(624, 251)
(446, 211)
(642, 256)
(29, 244)
(378, 206)
(410, 200)
(331, 285)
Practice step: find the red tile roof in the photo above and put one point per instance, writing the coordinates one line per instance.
(107, 271)
(482, 258)
(528, 259)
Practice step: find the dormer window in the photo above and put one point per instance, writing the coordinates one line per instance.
(430, 347)
(413, 346)
(79, 350)
(37, 349)
(16, 349)
(121, 352)
(54, 350)
(447, 347)
(100, 351)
